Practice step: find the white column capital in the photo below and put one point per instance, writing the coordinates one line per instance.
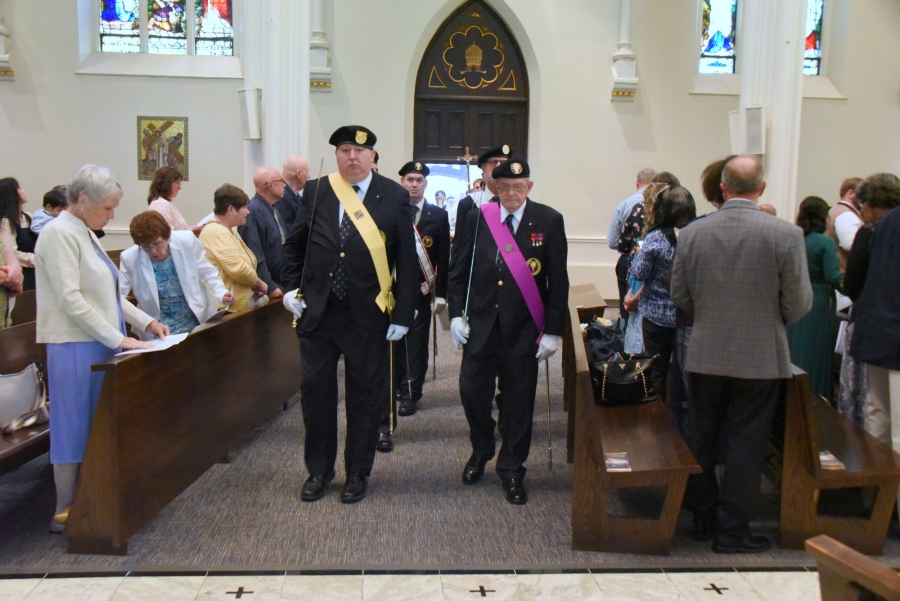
(319, 47)
(624, 69)
(6, 70)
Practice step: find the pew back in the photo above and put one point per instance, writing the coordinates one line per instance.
(25, 309)
(847, 574)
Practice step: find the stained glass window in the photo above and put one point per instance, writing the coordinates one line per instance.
(214, 28)
(812, 55)
(166, 26)
(717, 52)
(119, 26)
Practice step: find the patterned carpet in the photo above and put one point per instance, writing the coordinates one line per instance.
(247, 515)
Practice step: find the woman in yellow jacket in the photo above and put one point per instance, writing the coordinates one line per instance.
(227, 252)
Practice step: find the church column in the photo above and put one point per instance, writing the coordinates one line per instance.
(624, 67)
(771, 66)
(319, 62)
(276, 62)
(6, 70)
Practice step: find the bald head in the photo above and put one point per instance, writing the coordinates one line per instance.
(268, 184)
(295, 171)
(767, 208)
(742, 177)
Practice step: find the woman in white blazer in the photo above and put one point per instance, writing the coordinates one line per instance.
(169, 274)
(81, 318)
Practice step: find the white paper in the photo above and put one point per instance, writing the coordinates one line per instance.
(158, 345)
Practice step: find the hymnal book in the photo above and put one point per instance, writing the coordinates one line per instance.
(829, 462)
(617, 462)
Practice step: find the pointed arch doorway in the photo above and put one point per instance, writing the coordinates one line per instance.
(471, 88)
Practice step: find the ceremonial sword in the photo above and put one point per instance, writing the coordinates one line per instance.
(312, 222)
(468, 159)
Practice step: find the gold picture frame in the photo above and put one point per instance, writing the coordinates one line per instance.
(161, 142)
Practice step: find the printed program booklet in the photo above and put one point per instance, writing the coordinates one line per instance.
(617, 462)
(829, 461)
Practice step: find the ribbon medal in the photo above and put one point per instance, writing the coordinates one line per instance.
(537, 239)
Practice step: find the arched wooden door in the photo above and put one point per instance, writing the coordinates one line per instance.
(471, 89)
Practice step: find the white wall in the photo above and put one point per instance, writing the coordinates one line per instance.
(584, 149)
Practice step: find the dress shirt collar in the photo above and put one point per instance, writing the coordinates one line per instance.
(420, 204)
(517, 215)
(363, 186)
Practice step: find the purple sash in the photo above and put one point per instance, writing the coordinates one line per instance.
(521, 273)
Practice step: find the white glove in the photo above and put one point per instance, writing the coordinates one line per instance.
(396, 332)
(438, 305)
(459, 330)
(548, 345)
(293, 304)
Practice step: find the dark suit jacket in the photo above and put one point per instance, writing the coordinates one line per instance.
(262, 236)
(388, 204)
(490, 300)
(462, 209)
(289, 206)
(435, 224)
(876, 315)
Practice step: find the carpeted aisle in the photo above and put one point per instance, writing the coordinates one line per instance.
(248, 514)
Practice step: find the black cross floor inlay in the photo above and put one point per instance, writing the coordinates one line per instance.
(239, 593)
(715, 588)
(482, 590)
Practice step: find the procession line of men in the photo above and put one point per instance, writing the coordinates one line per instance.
(366, 266)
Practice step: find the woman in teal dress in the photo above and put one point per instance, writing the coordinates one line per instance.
(812, 339)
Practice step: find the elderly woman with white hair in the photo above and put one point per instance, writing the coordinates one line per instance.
(81, 318)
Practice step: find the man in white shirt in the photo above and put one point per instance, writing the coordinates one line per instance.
(844, 220)
(623, 209)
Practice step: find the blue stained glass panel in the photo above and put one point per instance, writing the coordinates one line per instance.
(812, 54)
(717, 37)
(166, 27)
(214, 28)
(119, 30)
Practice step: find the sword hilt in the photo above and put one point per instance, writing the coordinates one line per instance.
(298, 296)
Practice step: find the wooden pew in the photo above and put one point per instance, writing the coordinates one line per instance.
(872, 467)
(25, 309)
(18, 350)
(589, 304)
(845, 574)
(164, 418)
(114, 256)
(659, 458)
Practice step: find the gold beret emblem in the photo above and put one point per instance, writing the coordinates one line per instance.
(505, 149)
(418, 166)
(383, 236)
(428, 241)
(361, 137)
(535, 266)
(516, 168)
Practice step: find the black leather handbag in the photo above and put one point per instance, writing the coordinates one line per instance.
(622, 381)
(603, 342)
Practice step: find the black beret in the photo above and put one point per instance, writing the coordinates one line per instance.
(514, 168)
(415, 167)
(353, 134)
(499, 151)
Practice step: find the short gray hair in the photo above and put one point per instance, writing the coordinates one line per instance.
(743, 180)
(645, 176)
(97, 183)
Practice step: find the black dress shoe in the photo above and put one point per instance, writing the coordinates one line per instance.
(408, 407)
(474, 469)
(515, 491)
(314, 487)
(354, 489)
(731, 543)
(385, 442)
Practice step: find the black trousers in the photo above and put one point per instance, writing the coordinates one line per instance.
(516, 379)
(622, 280)
(412, 355)
(365, 372)
(739, 411)
(658, 340)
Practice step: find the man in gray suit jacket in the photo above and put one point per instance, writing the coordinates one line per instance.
(743, 274)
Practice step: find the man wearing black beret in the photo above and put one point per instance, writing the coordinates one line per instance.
(487, 162)
(433, 251)
(508, 320)
(353, 230)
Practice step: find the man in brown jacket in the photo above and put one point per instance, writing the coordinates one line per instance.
(743, 274)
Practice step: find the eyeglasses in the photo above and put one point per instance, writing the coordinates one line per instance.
(276, 182)
(158, 245)
(495, 162)
(518, 188)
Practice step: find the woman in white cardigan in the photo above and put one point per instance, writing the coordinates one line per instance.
(81, 318)
(169, 274)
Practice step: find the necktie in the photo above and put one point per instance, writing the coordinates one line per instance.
(415, 214)
(280, 225)
(339, 282)
(509, 223)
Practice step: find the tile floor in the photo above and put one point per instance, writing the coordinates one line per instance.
(525, 586)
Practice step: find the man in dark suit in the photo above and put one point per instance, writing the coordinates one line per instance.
(338, 265)
(295, 173)
(743, 275)
(433, 247)
(488, 161)
(265, 232)
(512, 313)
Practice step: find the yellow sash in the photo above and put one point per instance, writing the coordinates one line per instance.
(371, 235)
